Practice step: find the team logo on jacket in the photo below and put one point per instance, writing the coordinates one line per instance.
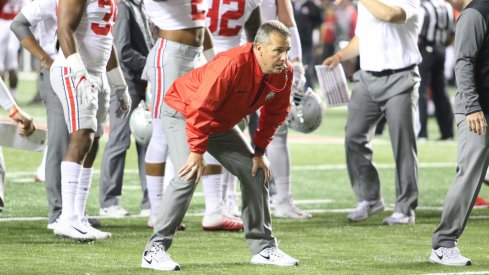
(270, 95)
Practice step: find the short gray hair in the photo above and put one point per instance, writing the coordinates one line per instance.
(269, 27)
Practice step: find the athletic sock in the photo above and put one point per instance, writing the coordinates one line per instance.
(70, 178)
(155, 192)
(82, 191)
(212, 193)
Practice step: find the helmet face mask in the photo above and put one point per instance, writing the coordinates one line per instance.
(308, 114)
(140, 124)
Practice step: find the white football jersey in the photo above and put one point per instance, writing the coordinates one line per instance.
(226, 20)
(42, 13)
(177, 14)
(268, 10)
(94, 34)
(10, 8)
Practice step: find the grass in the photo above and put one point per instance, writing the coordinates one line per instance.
(326, 244)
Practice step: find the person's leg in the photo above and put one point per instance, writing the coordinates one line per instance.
(167, 61)
(443, 107)
(278, 153)
(57, 144)
(235, 154)
(363, 114)
(472, 162)
(399, 114)
(215, 217)
(178, 193)
(425, 70)
(114, 158)
(82, 125)
(12, 63)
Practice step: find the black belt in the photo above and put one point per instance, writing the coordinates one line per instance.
(389, 72)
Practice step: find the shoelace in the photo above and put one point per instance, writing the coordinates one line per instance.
(450, 253)
(274, 253)
(158, 253)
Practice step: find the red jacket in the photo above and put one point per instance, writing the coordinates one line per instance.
(215, 97)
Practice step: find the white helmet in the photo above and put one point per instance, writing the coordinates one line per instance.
(308, 114)
(140, 124)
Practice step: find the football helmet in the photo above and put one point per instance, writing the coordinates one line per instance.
(140, 124)
(306, 116)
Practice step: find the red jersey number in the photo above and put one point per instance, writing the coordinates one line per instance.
(224, 29)
(197, 14)
(103, 30)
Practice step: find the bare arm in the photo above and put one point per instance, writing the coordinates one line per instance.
(350, 51)
(113, 59)
(385, 12)
(21, 27)
(285, 13)
(69, 15)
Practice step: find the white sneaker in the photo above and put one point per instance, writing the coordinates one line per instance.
(221, 221)
(286, 208)
(232, 205)
(99, 235)
(52, 225)
(73, 229)
(400, 218)
(448, 256)
(366, 209)
(158, 259)
(114, 211)
(145, 212)
(273, 256)
(151, 221)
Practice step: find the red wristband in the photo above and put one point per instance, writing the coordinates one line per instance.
(16, 110)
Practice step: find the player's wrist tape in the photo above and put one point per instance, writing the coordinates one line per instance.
(116, 77)
(296, 48)
(14, 111)
(209, 54)
(75, 62)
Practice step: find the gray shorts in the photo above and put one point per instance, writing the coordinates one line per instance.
(82, 111)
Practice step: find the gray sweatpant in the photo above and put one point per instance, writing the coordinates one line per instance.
(114, 157)
(235, 154)
(472, 162)
(58, 139)
(395, 97)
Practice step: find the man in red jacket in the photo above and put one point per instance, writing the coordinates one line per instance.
(200, 113)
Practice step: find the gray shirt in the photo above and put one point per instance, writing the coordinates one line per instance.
(469, 38)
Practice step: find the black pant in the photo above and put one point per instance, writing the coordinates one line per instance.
(432, 76)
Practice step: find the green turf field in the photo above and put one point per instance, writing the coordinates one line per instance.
(326, 244)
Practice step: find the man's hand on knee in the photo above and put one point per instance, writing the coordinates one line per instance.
(261, 162)
(193, 168)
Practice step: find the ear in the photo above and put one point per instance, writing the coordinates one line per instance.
(259, 48)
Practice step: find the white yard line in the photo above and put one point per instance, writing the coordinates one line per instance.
(17, 176)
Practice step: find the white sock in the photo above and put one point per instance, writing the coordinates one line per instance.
(41, 170)
(212, 193)
(278, 154)
(169, 173)
(282, 186)
(70, 178)
(228, 182)
(155, 191)
(82, 191)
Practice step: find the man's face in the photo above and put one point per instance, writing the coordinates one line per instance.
(273, 54)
